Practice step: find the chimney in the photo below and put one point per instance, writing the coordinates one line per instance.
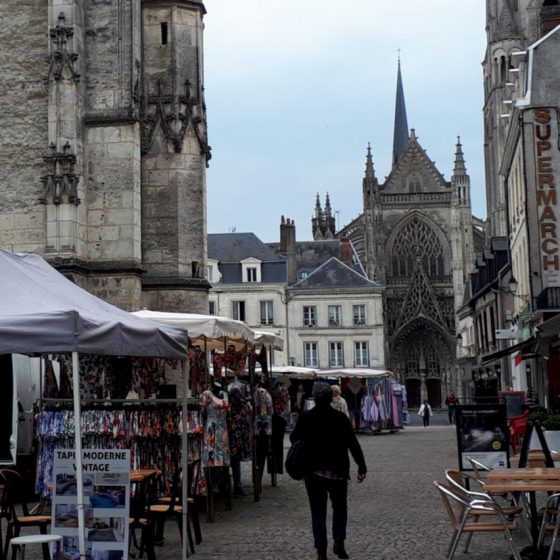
(283, 235)
(345, 251)
(291, 264)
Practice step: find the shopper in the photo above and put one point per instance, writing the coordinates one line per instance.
(338, 401)
(328, 437)
(451, 401)
(425, 411)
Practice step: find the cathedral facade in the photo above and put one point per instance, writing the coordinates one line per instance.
(416, 236)
(104, 150)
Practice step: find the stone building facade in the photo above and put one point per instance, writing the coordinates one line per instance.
(104, 147)
(417, 237)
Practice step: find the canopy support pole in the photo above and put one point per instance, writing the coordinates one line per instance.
(78, 451)
(184, 458)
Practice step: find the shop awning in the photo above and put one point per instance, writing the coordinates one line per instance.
(525, 345)
(42, 311)
(550, 327)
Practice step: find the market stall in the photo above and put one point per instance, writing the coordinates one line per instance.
(42, 312)
(375, 399)
(232, 344)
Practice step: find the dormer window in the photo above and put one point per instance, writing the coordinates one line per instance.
(251, 270)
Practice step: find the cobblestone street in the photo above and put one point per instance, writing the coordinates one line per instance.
(396, 513)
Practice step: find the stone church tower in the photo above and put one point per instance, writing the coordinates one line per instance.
(104, 147)
(511, 26)
(415, 236)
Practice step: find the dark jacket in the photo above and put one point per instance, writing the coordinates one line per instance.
(328, 435)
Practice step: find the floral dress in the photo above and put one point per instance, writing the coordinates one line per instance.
(215, 445)
(239, 422)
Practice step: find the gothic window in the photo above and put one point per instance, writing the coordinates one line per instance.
(414, 183)
(417, 241)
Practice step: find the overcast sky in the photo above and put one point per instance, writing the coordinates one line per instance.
(295, 90)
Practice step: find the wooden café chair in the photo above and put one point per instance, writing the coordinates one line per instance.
(14, 504)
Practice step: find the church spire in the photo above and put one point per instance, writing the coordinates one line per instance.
(400, 133)
(370, 172)
(459, 168)
(460, 180)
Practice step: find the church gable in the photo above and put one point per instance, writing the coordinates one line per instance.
(414, 173)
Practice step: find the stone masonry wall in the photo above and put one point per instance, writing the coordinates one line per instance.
(23, 122)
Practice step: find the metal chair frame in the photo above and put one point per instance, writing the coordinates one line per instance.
(552, 509)
(474, 508)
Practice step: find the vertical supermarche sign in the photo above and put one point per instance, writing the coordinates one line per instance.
(547, 166)
(106, 477)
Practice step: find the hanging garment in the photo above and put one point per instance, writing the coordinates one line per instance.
(50, 387)
(215, 448)
(239, 425)
(263, 412)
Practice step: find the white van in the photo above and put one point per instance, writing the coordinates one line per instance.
(19, 391)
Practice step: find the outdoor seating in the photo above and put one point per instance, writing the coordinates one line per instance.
(479, 469)
(171, 505)
(465, 513)
(19, 543)
(14, 503)
(550, 522)
(140, 520)
(517, 427)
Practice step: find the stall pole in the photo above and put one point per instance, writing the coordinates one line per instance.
(78, 450)
(273, 477)
(184, 458)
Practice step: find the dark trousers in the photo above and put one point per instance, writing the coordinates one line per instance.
(276, 459)
(318, 489)
(426, 419)
(451, 413)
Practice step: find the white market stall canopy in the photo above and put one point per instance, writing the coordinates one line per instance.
(42, 311)
(293, 372)
(269, 340)
(354, 372)
(216, 331)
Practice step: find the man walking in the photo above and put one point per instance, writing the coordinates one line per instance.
(328, 436)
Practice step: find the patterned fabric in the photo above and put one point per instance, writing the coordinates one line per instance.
(239, 423)
(263, 412)
(281, 401)
(215, 445)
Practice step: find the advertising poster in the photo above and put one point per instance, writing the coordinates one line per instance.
(106, 477)
(482, 434)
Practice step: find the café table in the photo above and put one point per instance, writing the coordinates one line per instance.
(531, 481)
(535, 458)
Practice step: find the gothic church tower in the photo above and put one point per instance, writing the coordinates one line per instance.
(104, 160)
(416, 237)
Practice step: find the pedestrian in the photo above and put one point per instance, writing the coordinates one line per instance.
(338, 401)
(425, 411)
(451, 401)
(328, 436)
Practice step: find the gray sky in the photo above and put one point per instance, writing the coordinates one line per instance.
(296, 89)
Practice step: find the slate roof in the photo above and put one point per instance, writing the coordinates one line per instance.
(231, 248)
(235, 247)
(335, 274)
(312, 254)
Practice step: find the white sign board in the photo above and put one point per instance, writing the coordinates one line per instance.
(106, 475)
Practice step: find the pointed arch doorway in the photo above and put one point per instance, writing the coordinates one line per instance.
(422, 355)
